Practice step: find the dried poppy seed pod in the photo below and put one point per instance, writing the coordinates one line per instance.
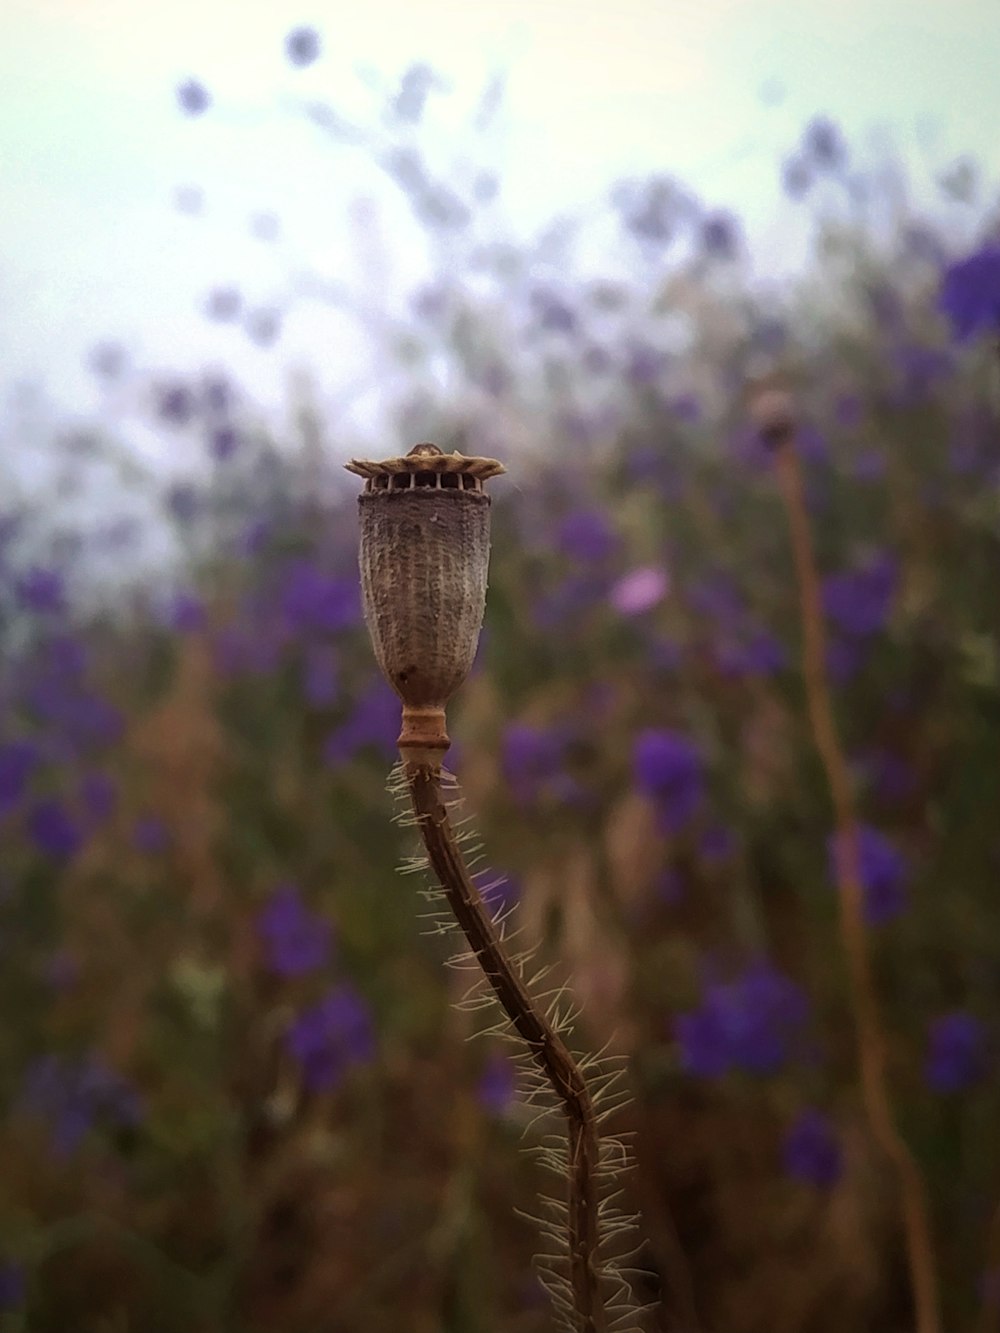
(425, 547)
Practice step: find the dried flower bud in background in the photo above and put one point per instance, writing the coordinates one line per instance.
(425, 544)
(772, 410)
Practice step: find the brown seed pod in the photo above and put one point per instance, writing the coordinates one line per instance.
(425, 545)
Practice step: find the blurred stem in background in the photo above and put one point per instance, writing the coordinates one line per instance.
(775, 413)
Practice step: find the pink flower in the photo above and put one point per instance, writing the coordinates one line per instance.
(640, 590)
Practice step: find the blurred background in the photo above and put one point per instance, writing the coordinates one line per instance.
(240, 245)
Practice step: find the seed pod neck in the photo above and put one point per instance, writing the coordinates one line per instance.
(423, 741)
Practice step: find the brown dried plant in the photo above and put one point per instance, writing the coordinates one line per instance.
(773, 409)
(424, 559)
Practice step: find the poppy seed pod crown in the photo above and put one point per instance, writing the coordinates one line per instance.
(425, 546)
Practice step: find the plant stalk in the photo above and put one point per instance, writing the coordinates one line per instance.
(871, 1042)
(546, 1046)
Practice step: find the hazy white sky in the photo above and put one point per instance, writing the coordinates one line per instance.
(92, 146)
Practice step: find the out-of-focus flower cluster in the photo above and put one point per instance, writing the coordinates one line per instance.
(233, 1041)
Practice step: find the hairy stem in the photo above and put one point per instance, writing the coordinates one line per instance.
(871, 1040)
(545, 1044)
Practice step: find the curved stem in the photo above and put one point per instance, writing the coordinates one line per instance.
(868, 1021)
(546, 1046)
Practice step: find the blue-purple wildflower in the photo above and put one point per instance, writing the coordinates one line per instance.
(497, 1087)
(296, 941)
(193, 97)
(54, 830)
(586, 535)
(669, 768)
(754, 1024)
(885, 874)
(859, 601)
(956, 1052)
(373, 724)
(74, 1096)
(312, 599)
(970, 293)
(331, 1038)
(41, 591)
(19, 760)
(811, 1151)
(320, 675)
(302, 46)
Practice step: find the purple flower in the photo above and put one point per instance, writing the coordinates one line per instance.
(53, 830)
(297, 941)
(98, 796)
(106, 359)
(224, 303)
(761, 655)
(150, 835)
(263, 327)
(18, 761)
(374, 723)
(753, 1024)
(497, 1087)
(223, 443)
(859, 601)
(552, 312)
(311, 599)
(246, 650)
(717, 597)
(414, 86)
(193, 97)
(183, 501)
(175, 404)
(186, 612)
(586, 535)
(84, 719)
(217, 393)
(918, 370)
(720, 235)
(885, 873)
(71, 1096)
(13, 1286)
(531, 758)
(644, 365)
(890, 776)
(555, 608)
(956, 1052)
(848, 411)
(669, 768)
(796, 177)
(328, 1039)
(687, 407)
(302, 46)
(41, 591)
(970, 293)
(823, 144)
(650, 209)
(640, 590)
(717, 844)
(320, 677)
(811, 1151)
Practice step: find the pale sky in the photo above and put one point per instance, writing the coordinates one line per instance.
(92, 145)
